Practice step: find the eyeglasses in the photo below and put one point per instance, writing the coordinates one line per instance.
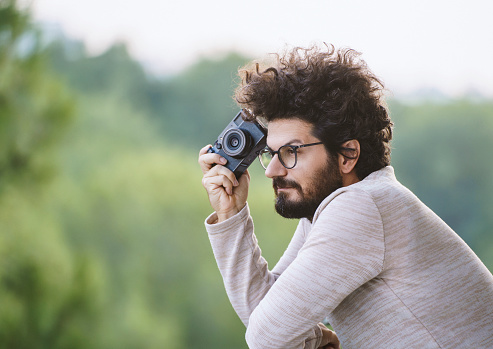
(287, 154)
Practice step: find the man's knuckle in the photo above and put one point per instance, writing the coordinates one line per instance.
(205, 181)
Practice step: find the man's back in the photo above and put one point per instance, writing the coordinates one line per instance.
(433, 291)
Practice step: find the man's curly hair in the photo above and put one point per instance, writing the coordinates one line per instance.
(332, 89)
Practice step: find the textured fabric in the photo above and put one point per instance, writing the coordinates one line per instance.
(381, 266)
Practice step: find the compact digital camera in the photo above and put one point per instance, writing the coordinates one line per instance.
(240, 143)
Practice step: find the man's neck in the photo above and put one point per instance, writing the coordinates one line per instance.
(350, 178)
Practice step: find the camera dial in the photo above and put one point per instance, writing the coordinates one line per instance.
(236, 142)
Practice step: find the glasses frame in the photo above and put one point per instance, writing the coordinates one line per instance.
(295, 150)
(278, 152)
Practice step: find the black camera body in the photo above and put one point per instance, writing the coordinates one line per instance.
(240, 143)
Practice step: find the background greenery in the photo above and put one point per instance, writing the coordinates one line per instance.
(102, 243)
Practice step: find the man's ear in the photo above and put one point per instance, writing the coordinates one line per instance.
(348, 156)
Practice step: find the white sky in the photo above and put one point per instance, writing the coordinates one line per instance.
(442, 44)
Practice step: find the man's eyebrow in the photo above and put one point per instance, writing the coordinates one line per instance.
(289, 143)
(294, 141)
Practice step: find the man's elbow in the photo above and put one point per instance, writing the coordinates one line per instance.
(263, 337)
(256, 338)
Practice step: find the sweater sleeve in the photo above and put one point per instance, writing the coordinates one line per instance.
(245, 272)
(344, 250)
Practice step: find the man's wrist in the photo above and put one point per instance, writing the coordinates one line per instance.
(223, 216)
(214, 226)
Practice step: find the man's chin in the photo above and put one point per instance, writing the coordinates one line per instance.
(295, 209)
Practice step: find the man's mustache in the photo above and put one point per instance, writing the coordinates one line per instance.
(279, 183)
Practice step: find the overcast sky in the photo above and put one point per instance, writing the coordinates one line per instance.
(433, 44)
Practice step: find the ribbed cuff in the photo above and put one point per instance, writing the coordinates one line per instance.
(228, 224)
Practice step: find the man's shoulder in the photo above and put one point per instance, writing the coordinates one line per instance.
(377, 189)
(382, 186)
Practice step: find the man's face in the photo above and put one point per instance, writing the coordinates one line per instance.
(300, 190)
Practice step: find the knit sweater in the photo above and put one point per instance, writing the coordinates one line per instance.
(375, 261)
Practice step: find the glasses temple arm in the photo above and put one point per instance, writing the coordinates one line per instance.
(347, 149)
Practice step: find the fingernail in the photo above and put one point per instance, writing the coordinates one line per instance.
(223, 160)
(236, 183)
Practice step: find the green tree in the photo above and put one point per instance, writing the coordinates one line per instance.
(197, 104)
(46, 292)
(34, 107)
(112, 73)
(190, 108)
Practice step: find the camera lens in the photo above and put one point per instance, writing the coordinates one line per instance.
(235, 142)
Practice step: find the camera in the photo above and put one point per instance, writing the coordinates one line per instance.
(240, 143)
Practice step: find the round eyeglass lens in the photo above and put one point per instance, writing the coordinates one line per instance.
(287, 156)
(265, 158)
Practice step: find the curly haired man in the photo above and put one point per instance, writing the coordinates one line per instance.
(367, 255)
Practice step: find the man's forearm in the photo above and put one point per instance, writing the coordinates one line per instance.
(245, 272)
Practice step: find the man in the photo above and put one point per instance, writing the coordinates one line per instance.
(367, 254)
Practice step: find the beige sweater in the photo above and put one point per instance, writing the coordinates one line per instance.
(382, 267)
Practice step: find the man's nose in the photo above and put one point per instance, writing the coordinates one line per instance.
(275, 168)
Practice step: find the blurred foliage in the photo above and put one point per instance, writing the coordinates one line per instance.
(187, 108)
(102, 243)
(34, 107)
(46, 290)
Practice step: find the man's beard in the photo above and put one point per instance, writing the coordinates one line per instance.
(323, 183)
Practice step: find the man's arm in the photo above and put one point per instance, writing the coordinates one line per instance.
(230, 229)
(245, 272)
(231, 233)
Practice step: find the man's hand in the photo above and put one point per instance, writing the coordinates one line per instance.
(226, 194)
(329, 340)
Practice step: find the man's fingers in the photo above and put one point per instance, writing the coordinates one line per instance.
(205, 149)
(208, 160)
(330, 339)
(222, 171)
(245, 177)
(211, 183)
